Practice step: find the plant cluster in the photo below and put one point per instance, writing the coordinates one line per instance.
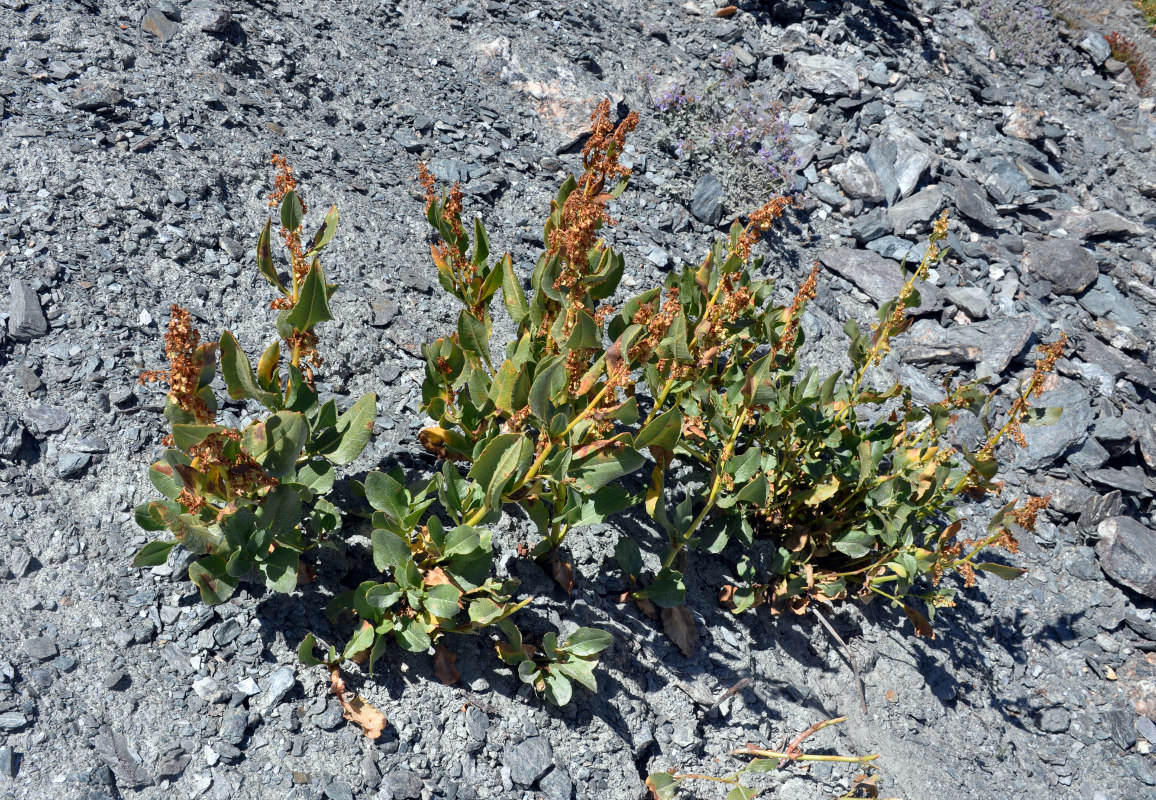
(1024, 32)
(818, 486)
(733, 129)
(1148, 9)
(1127, 53)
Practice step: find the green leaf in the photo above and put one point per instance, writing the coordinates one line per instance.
(277, 442)
(628, 556)
(741, 793)
(317, 476)
(389, 549)
(238, 374)
(762, 765)
(211, 577)
(855, 544)
(473, 336)
(462, 540)
(1000, 570)
(153, 554)
(386, 495)
(585, 333)
(481, 243)
(512, 295)
(661, 435)
(292, 212)
(312, 304)
(279, 569)
(606, 464)
(581, 670)
(586, 642)
(324, 234)
(549, 380)
(190, 435)
(150, 521)
(498, 464)
(510, 387)
(663, 785)
(280, 514)
(667, 590)
(164, 478)
(483, 611)
(361, 640)
(305, 651)
(558, 689)
(355, 427)
(265, 259)
(412, 636)
(442, 601)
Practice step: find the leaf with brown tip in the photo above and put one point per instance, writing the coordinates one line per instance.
(678, 623)
(445, 664)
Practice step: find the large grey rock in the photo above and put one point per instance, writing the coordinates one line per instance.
(1046, 443)
(826, 75)
(1069, 267)
(26, 319)
(401, 784)
(124, 760)
(971, 201)
(1096, 46)
(971, 299)
(233, 725)
(160, 26)
(528, 760)
(207, 16)
(993, 343)
(11, 436)
(899, 158)
(706, 204)
(275, 687)
(921, 207)
(1083, 224)
(879, 278)
(858, 179)
(72, 465)
(95, 96)
(1127, 552)
(40, 648)
(44, 420)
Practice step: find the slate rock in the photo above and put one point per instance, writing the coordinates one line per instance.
(275, 687)
(971, 201)
(44, 420)
(858, 180)
(384, 311)
(7, 762)
(125, 762)
(41, 648)
(528, 760)
(1046, 443)
(1096, 46)
(1084, 225)
(94, 97)
(825, 75)
(160, 26)
(877, 277)
(72, 465)
(871, 226)
(1115, 363)
(209, 690)
(339, 790)
(1053, 720)
(1121, 729)
(12, 721)
(1127, 551)
(207, 17)
(1097, 508)
(992, 343)
(706, 204)
(401, 784)
(921, 207)
(971, 299)
(26, 320)
(556, 784)
(1069, 267)
(233, 725)
(11, 437)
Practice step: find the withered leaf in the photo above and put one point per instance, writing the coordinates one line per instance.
(726, 596)
(726, 11)
(436, 577)
(445, 664)
(356, 709)
(678, 623)
(563, 574)
(922, 626)
(647, 607)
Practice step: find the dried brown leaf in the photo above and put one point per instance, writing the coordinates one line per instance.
(647, 607)
(563, 574)
(445, 664)
(436, 577)
(922, 626)
(356, 710)
(726, 11)
(726, 596)
(678, 623)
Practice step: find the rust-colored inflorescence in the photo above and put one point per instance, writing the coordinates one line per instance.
(184, 373)
(759, 223)
(284, 182)
(807, 291)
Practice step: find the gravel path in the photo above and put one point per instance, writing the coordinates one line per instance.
(134, 145)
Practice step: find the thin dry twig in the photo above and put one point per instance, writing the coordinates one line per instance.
(850, 655)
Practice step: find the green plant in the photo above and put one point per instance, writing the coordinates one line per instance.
(254, 499)
(665, 785)
(1148, 9)
(1126, 52)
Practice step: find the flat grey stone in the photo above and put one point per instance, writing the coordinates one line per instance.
(528, 760)
(1053, 720)
(72, 465)
(858, 180)
(1070, 267)
(878, 278)
(233, 725)
(1082, 224)
(207, 17)
(12, 721)
(1096, 46)
(921, 207)
(209, 690)
(275, 687)
(156, 23)
(125, 761)
(384, 311)
(11, 437)
(993, 343)
(44, 420)
(1127, 552)
(41, 648)
(1046, 443)
(339, 790)
(871, 226)
(706, 204)
(825, 75)
(972, 202)
(95, 96)
(556, 784)
(402, 785)
(971, 299)
(26, 320)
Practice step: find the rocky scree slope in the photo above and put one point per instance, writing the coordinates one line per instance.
(134, 141)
